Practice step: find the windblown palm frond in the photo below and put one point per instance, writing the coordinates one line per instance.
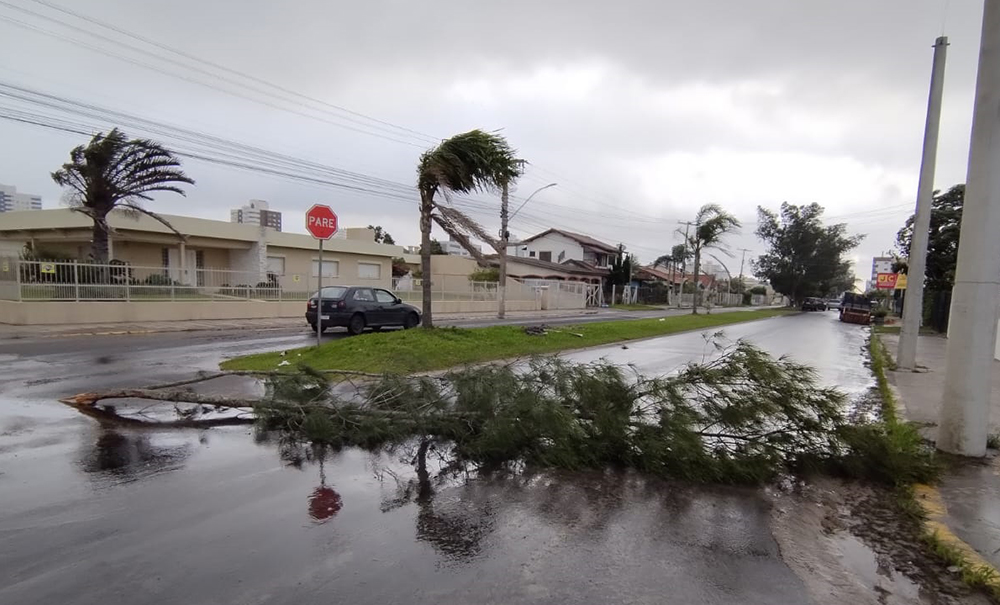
(112, 172)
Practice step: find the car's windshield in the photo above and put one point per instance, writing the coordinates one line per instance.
(332, 293)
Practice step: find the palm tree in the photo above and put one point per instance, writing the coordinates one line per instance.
(472, 161)
(111, 173)
(676, 259)
(710, 225)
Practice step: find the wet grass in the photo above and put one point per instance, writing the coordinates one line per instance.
(924, 330)
(892, 450)
(424, 350)
(981, 577)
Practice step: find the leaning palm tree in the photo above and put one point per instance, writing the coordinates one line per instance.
(675, 260)
(114, 173)
(710, 225)
(472, 161)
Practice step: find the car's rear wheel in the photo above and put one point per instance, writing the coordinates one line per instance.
(411, 321)
(356, 325)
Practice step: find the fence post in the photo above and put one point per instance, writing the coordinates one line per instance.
(17, 270)
(76, 281)
(171, 288)
(128, 287)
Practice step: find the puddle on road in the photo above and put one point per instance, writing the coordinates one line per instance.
(877, 573)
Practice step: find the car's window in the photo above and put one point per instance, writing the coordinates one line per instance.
(384, 297)
(364, 295)
(333, 293)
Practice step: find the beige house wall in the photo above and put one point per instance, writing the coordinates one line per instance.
(298, 263)
(139, 254)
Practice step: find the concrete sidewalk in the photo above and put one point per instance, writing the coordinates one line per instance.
(276, 323)
(969, 492)
(922, 391)
(13, 332)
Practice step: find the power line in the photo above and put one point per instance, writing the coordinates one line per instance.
(224, 68)
(186, 78)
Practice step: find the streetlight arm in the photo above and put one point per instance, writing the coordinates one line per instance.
(531, 196)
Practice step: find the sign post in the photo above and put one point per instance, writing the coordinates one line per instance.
(321, 223)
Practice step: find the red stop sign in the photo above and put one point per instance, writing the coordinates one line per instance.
(321, 221)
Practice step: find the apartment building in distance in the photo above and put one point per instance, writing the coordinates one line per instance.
(256, 213)
(12, 201)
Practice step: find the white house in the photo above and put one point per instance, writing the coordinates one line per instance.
(558, 246)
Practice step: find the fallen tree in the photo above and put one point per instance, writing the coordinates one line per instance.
(740, 416)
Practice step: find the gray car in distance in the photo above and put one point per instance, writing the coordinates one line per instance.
(360, 307)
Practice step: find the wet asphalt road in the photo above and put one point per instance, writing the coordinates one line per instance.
(92, 515)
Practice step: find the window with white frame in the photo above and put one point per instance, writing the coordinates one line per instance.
(369, 271)
(276, 265)
(331, 268)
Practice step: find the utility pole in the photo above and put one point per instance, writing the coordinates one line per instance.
(504, 238)
(742, 260)
(505, 242)
(965, 408)
(913, 302)
(684, 262)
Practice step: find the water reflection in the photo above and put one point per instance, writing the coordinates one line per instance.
(124, 457)
(454, 524)
(324, 502)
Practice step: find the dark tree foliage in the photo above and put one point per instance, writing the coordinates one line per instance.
(942, 247)
(621, 268)
(436, 247)
(806, 257)
(381, 235)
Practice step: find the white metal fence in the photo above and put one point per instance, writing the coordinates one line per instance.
(411, 290)
(30, 280)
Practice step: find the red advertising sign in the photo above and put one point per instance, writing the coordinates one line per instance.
(886, 281)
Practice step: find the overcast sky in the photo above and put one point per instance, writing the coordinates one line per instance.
(640, 110)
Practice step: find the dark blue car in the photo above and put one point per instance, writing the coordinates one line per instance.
(360, 307)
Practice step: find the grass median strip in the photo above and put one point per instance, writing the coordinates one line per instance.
(424, 350)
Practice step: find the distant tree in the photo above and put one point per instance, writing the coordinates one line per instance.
(942, 247)
(805, 257)
(711, 225)
(382, 236)
(399, 267)
(114, 173)
(489, 274)
(674, 261)
(622, 267)
(436, 247)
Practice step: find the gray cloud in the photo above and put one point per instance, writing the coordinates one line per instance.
(642, 110)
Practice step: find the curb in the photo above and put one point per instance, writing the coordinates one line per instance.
(945, 543)
(938, 533)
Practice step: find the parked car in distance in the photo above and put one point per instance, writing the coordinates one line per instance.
(360, 307)
(833, 303)
(814, 304)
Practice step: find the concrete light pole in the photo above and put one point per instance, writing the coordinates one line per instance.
(913, 307)
(504, 242)
(964, 421)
